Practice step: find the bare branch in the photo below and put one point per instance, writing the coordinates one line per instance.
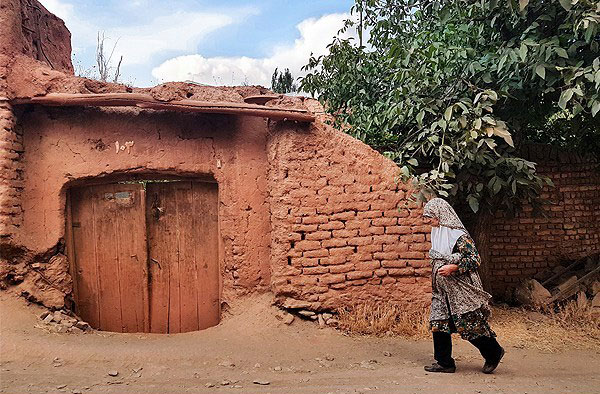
(117, 72)
(103, 62)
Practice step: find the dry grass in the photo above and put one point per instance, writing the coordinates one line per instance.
(569, 327)
(385, 319)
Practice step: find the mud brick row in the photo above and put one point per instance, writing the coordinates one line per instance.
(347, 228)
(11, 184)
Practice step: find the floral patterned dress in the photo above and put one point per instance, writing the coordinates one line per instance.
(459, 303)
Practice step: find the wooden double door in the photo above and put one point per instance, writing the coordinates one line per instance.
(145, 259)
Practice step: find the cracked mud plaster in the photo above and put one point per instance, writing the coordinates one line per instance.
(59, 153)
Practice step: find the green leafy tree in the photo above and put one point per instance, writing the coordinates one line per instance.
(451, 89)
(283, 82)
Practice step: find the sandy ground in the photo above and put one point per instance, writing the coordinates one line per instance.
(298, 358)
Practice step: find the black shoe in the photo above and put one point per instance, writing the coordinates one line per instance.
(489, 367)
(435, 367)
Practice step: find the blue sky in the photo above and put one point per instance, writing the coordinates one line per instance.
(219, 43)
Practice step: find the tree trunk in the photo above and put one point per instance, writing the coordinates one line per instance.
(481, 236)
(478, 225)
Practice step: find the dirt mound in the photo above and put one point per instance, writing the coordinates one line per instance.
(29, 78)
(191, 91)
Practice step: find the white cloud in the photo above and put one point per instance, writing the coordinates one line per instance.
(315, 35)
(159, 30)
(58, 8)
(176, 31)
(179, 31)
(82, 32)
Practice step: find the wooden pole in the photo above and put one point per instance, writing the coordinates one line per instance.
(141, 100)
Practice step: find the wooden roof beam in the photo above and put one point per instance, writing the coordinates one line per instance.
(146, 101)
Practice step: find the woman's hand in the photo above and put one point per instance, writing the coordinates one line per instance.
(447, 269)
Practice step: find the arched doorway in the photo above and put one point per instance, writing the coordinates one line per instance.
(145, 255)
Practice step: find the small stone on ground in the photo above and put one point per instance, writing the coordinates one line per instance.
(288, 319)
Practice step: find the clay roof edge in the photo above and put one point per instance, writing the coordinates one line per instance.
(146, 101)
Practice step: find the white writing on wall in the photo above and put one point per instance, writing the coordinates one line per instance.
(126, 145)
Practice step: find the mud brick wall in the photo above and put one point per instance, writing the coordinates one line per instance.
(66, 147)
(338, 236)
(11, 173)
(526, 244)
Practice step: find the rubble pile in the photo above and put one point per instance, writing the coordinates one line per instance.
(322, 319)
(572, 280)
(64, 322)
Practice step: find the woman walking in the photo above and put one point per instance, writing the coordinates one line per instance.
(459, 303)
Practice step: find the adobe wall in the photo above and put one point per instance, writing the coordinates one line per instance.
(338, 236)
(35, 49)
(65, 146)
(29, 30)
(11, 173)
(523, 245)
(45, 36)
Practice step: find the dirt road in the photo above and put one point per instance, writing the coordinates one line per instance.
(251, 344)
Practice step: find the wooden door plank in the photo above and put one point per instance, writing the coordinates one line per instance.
(130, 234)
(109, 248)
(188, 273)
(158, 270)
(107, 254)
(145, 266)
(207, 252)
(84, 251)
(70, 247)
(172, 235)
(161, 213)
(183, 243)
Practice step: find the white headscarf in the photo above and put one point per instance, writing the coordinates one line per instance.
(444, 237)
